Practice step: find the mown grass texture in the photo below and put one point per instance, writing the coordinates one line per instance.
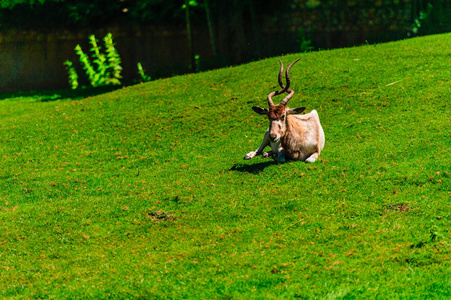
(143, 192)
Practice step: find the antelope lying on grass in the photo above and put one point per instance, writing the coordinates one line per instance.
(290, 134)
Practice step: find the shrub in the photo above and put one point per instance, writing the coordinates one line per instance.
(142, 74)
(73, 76)
(104, 69)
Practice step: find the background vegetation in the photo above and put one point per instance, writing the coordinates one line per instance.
(37, 36)
(237, 28)
(143, 191)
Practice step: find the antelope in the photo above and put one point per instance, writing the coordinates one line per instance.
(290, 135)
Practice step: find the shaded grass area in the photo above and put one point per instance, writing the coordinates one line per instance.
(54, 95)
(142, 192)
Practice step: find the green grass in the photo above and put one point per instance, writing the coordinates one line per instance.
(143, 192)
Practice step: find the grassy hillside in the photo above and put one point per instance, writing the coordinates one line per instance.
(143, 191)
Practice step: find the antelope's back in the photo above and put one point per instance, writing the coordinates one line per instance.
(310, 126)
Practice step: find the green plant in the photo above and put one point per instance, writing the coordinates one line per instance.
(100, 75)
(142, 74)
(105, 69)
(73, 76)
(305, 44)
(420, 20)
(196, 63)
(114, 68)
(86, 64)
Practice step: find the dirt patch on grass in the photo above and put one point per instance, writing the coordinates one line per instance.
(401, 207)
(160, 215)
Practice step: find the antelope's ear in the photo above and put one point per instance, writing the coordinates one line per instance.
(260, 110)
(295, 111)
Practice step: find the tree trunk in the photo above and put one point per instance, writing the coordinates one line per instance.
(223, 34)
(211, 30)
(190, 36)
(237, 30)
(255, 29)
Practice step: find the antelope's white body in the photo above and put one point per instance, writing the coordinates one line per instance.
(304, 140)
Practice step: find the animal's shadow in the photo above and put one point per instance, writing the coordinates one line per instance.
(254, 168)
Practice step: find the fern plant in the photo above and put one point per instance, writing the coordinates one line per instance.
(73, 76)
(86, 64)
(114, 68)
(305, 44)
(99, 59)
(142, 73)
(104, 69)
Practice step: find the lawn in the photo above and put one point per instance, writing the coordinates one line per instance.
(142, 192)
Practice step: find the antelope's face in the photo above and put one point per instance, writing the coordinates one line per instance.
(277, 122)
(277, 115)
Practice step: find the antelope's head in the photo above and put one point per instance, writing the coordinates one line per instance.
(277, 114)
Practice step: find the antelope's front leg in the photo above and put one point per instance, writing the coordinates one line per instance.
(312, 158)
(278, 152)
(259, 150)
